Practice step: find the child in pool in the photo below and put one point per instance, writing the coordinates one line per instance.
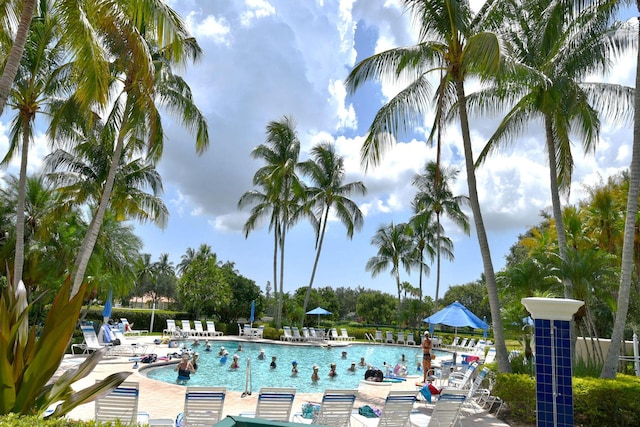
(294, 368)
(273, 362)
(315, 377)
(234, 364)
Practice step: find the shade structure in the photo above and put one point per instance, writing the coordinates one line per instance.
(319, 311)
(108, 305)
(457, 315)
(253, 312)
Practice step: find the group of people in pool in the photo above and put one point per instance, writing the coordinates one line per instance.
(188, 365)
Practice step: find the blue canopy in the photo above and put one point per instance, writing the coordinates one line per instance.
(319, 310)
(108, 304)
(457, 315)
(253, 311)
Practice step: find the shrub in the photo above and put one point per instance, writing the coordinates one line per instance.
(606, 402)
(14, 420)
(518, 391)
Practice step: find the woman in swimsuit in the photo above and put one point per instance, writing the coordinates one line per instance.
(185, 369)
(427, 345)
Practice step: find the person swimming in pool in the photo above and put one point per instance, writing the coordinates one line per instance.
(315, 377)
(234, 363)
(261, 355)
(221, 352)
(294, 368)
(352, 368)
(362, 363)
(207, 346)
(344, 354)
(273, 362)
(332, 371)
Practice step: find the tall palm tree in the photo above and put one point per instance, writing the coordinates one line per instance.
(558, 52)
(460, 45)
(395, 250)
(423, 232)
(134, 119)
(327, 193)
(434, 194)
(282, 190)
(38, 79)
(186, 259)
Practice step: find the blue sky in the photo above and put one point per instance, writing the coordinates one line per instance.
(265, 59)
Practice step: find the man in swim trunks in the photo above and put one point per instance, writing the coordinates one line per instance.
(427, 345)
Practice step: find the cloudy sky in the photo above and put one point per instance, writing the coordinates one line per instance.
(267, 59)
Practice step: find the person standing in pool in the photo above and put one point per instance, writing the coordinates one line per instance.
(194, 361)
(362, 363)
(273, 362)
(185, 369)
(235, 364)
(294, 368)
(332, 371)
(352, 368)
(315, 377)
(261, 355)
(427, 346)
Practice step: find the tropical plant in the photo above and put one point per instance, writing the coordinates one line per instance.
(28, 363)
(395, 250)
(281, 195)
(459, 44)
(435, 195)
(328, 193)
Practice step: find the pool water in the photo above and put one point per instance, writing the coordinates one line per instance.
(211, 372)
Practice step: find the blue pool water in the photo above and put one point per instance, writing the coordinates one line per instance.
(211, 372)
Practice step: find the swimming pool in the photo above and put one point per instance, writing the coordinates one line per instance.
(211, 372)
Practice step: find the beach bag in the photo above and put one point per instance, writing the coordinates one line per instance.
(369, 412)
(310, 410)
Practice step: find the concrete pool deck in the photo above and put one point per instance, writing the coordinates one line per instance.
(164, 401)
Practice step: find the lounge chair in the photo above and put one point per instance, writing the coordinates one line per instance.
(171, 329)
(410, 339)
(287, 334)
(127, 346)
(462, 380)
(463, 344)
(128, 328)
(203, 405)
(314, 335)
(334, 334)
(186, 329)
(211, 329)
(198, 330)
(487, 400)
(401, 338)
(445, 412)
(91, 342)
(121, 404)
(454, 344)
(248, 331)
(296, 334)
(306, 336)
(335, 409)
(240, 330)
(259, 333)
(274, 403)
(395, 413)
(345, 336)
(378, 337)
(389, 338)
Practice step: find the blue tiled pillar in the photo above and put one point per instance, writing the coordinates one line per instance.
(554, 393)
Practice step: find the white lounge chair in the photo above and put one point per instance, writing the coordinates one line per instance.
(186, 329)
(400, 338)
(287, 334)
(410, 339)
(389, 338)
(306, 336)
(454, 344)
(462, 380)
(203, 405)
(378, 337)
(395, 413)
(121, 404)
(171, 329)
(334, 334)
(274, 403)
(335, 409)
(127, 346)
(198, 330)
(211, 329)
(296, 334)
(128, 328)
(445, 412)
(91, 342)
(345, 336)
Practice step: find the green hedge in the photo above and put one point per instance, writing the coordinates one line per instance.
(13, 420)
(597, 402)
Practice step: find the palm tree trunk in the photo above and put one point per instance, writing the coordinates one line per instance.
(555, 203)
(276, 235)
(18, 262)
(611, 362)
(281, 300)
(89, 241)
(438, 262)
(490, 278)
(15, 56)
(315, 263)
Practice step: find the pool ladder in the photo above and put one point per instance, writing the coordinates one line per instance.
(248, 382)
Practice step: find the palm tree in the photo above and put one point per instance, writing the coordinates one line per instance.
(38, 78)
(435, 195)
(423, 233)
(460, 45)
(558, 52)
(186, 259)
(134, 119)
(329, 193)
(395, 249)
(282, 190)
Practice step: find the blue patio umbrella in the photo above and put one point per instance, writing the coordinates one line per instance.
(457, 315)
(319, 311)
(108, 306)
(253, 312)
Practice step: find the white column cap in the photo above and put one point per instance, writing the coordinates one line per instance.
(552, 308)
